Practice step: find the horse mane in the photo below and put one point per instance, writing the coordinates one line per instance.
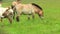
(37, 6)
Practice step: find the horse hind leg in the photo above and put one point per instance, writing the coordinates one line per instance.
(33, 15)
(1, 19)
(13, 15)
(28, 17)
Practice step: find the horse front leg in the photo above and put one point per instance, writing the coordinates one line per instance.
(1, 19)
(13, 14)
(10, 20)
(17, 18)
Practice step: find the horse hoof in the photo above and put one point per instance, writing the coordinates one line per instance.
(17, 20)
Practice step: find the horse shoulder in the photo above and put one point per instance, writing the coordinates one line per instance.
(19, 6)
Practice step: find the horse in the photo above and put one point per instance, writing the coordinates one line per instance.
(28, 9)
(6, 13)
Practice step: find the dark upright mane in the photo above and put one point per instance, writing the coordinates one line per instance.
(37, 6)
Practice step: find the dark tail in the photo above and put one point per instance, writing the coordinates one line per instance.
(37, 6)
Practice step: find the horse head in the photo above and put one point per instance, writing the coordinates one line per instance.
(7, 12)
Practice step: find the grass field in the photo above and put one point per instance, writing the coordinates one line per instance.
(50, 24)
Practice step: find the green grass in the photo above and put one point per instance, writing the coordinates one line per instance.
(50, 24)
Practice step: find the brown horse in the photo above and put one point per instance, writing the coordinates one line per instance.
(28, 9)
(6, 13)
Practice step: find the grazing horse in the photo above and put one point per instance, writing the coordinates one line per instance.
(28, 9)
(6, 13)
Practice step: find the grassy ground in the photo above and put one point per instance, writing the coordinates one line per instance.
(50, 24)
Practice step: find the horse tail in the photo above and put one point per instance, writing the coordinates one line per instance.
(37, 6)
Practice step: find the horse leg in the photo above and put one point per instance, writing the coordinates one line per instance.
(17, 18)
(13, 14)
(9, 18)
(28, 17)
(33, 15)
(1, 19)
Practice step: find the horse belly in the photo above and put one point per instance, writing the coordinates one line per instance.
(26, 11)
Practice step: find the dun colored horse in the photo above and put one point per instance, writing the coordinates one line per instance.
(27, 9)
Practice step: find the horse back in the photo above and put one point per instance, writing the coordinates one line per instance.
(25, 8)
